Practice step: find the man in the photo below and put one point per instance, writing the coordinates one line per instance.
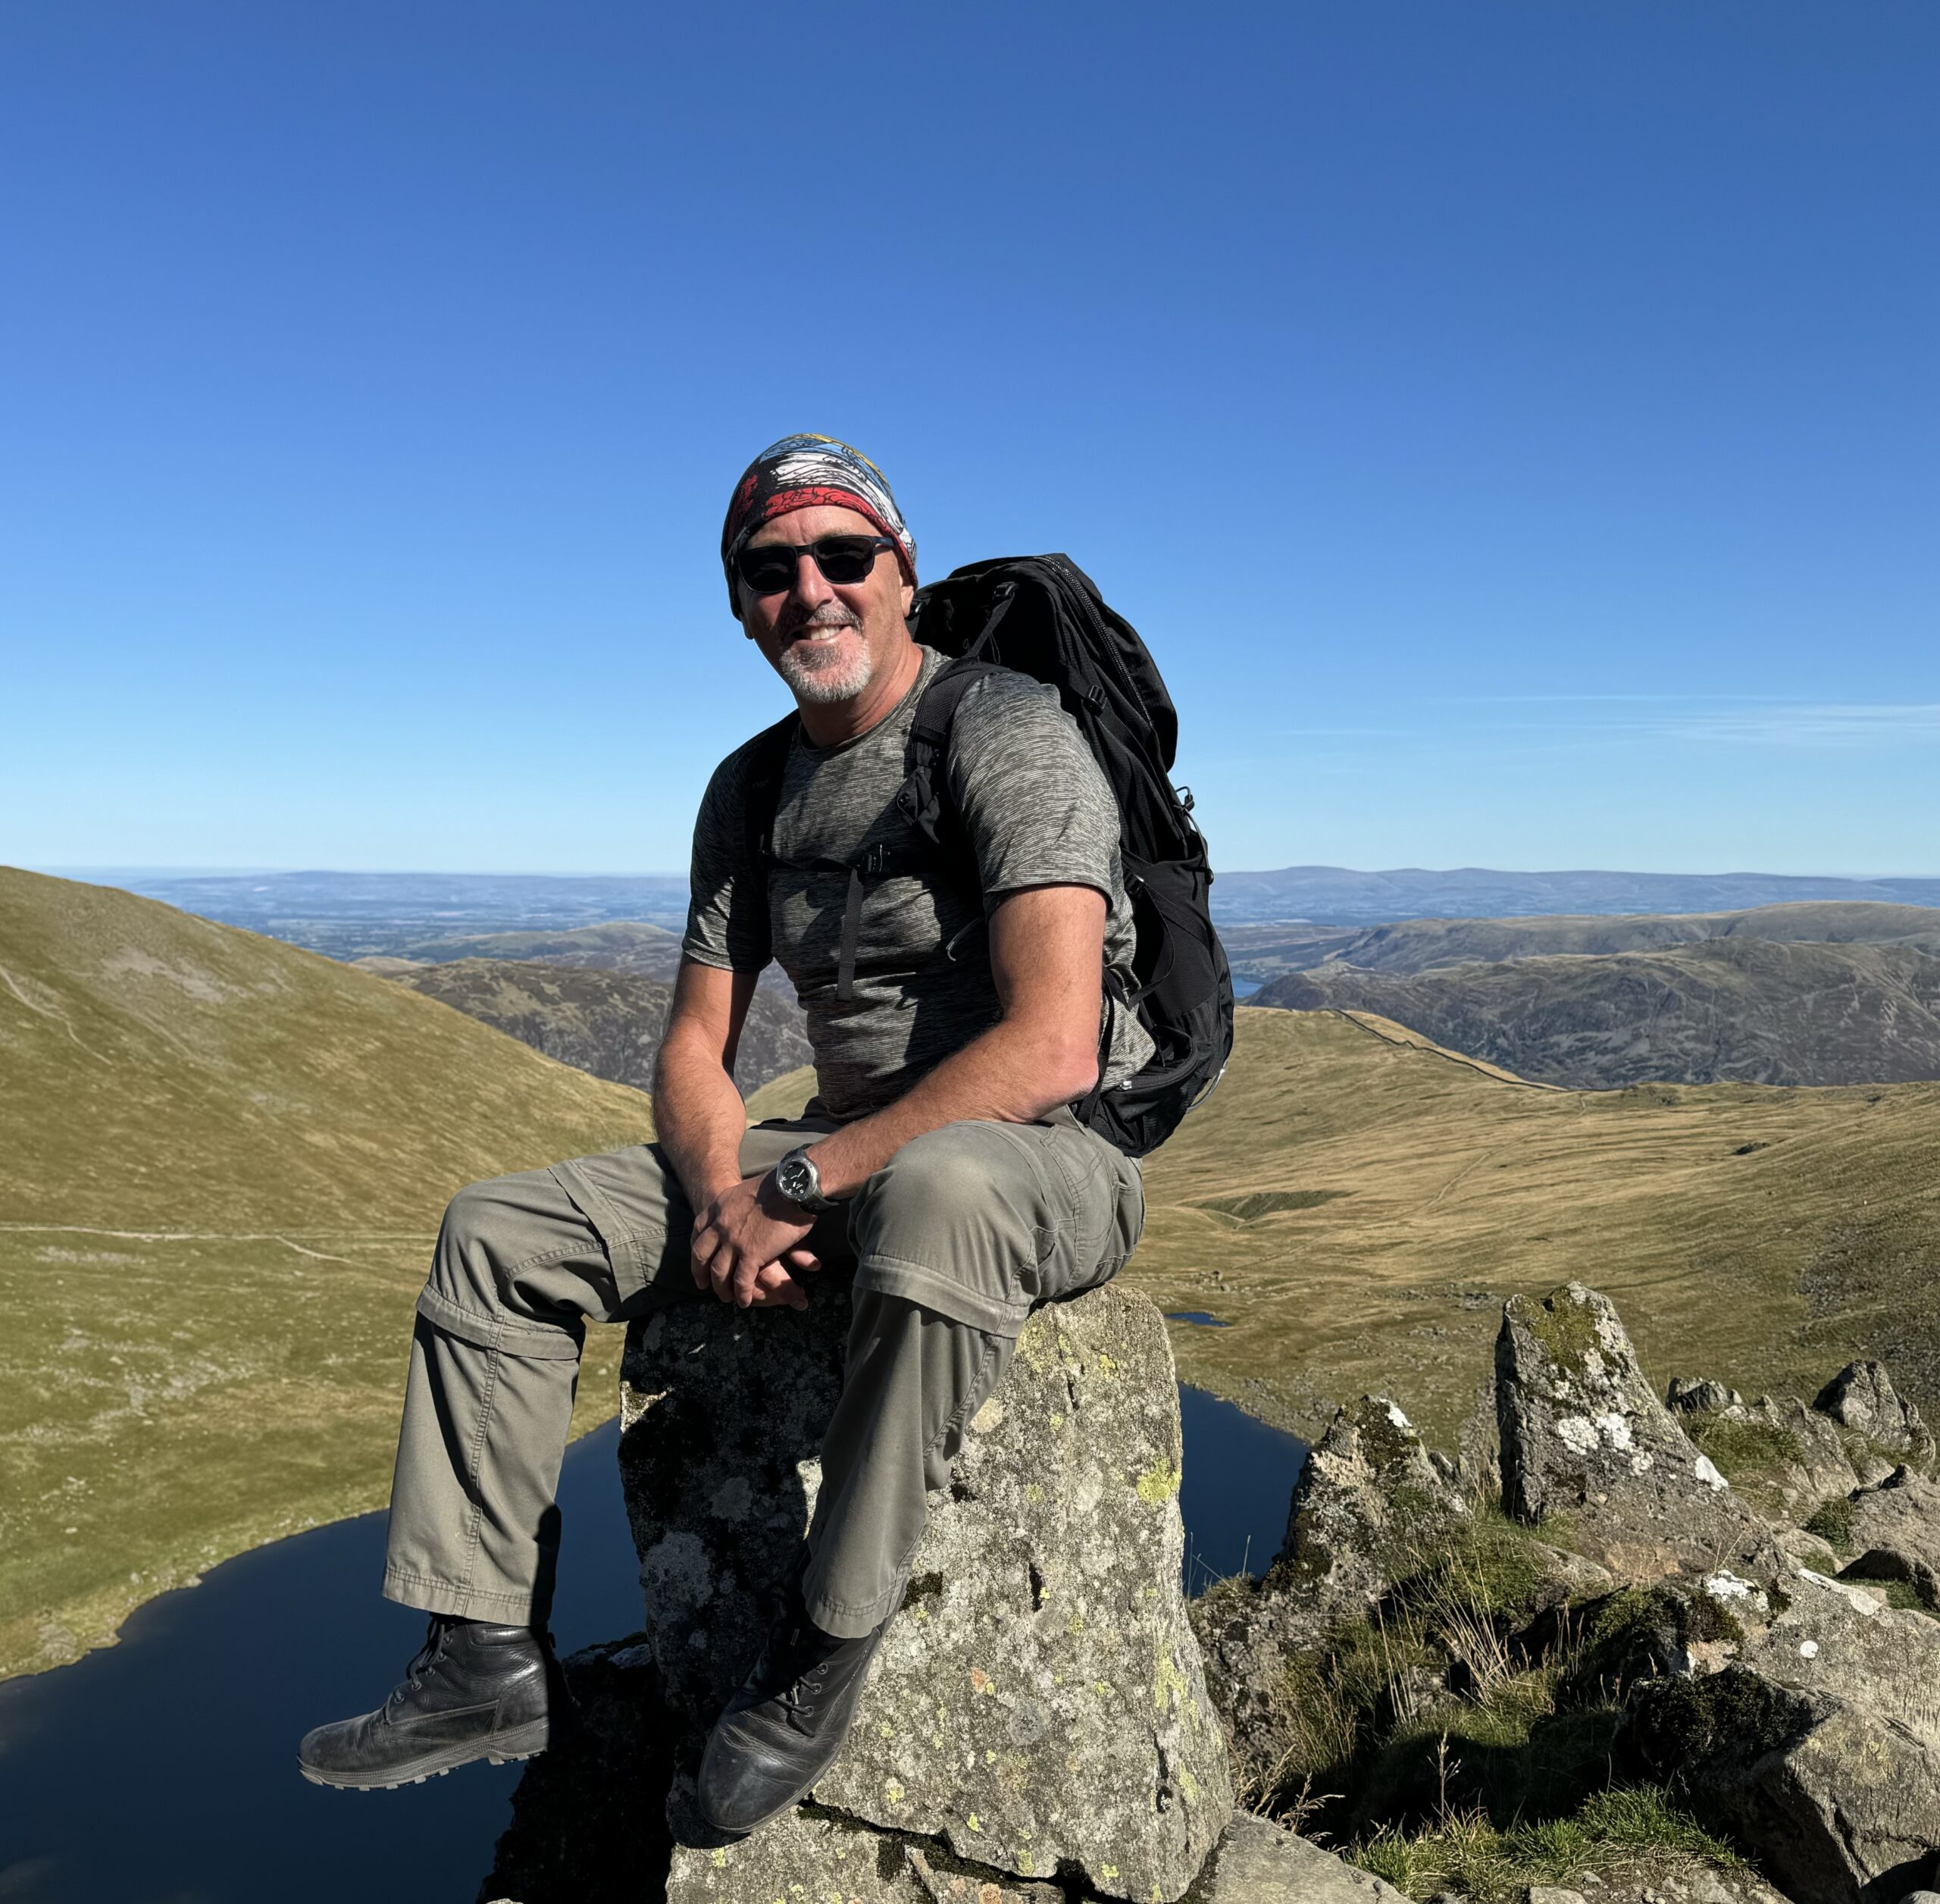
(956, 1016)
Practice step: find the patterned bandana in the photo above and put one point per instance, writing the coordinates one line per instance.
(800, 472)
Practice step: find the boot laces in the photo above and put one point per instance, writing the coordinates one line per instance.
(427, 1656)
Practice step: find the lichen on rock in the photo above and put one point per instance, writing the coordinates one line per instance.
(1584, 1439)
(1038, 1706)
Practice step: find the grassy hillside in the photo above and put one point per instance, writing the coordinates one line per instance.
(608, 1022)
(1356, 1203)
(1737, 1008)
(225, 1161)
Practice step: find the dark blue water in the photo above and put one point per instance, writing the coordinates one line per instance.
(163, 1771)
(1245, 987)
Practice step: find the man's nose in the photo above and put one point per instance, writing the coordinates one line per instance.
(811, 586)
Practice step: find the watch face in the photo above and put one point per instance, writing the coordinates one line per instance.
(795, 1179)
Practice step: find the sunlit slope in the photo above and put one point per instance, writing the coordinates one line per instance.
(1355, 1203)
(222, 1163)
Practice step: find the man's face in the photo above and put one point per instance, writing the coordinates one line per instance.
(828, 640)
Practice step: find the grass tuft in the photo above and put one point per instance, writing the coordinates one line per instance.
(1614, 1834)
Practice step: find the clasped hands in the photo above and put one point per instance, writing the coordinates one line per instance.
(748, 1246)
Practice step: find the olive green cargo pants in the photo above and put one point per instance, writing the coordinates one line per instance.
(952, 1243)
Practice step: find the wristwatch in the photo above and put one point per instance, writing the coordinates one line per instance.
(800, 1181)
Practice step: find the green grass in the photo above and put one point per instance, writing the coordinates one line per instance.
(1741, 1451)
(1624, 1832)
(226, 1160)
(1832, 1523)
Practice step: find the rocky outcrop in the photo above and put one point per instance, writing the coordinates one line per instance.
(1838, 1804)
(1369, 1500)
(1895, 1528)
(1587, 1445)
(1861, 1397)
(1038, 1706)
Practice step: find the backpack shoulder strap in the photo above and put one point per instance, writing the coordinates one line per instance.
(923, 800)
(767, 761)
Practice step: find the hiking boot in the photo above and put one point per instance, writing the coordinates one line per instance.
(782, 1730)
(474, 1691)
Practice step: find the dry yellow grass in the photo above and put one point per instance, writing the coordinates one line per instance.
(1760, 1235)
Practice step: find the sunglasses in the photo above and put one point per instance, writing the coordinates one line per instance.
(770, 568)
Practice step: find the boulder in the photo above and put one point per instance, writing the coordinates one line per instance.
(1895, 1525)
(1370, 1501)
(1837, 1804)
(1586, 1444)
(1259, 1862)
(1862, 1398)
(1038, 1706)
(1695, 1395)
(1255, 1862)
(1816, 1740)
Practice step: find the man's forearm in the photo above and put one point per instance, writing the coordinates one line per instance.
(699, 1119)
(1013, 1074)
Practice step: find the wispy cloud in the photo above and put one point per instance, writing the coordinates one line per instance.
(1548, 721)
(1805, 723)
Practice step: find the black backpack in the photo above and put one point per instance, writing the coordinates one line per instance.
(1042, 615)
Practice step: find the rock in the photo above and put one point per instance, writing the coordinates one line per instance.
(1838, 1804)
(1861, 1397)
(584, 1826)
(1552, 1894)
(1691, 1395)
(810, 1857)
(1690, 1879)
(1039, 1704)
(1896, 1527)
(1585, 1441)
(1836, 1637)
(1817, 1739)
(1259, 1862)
(807, 1858)
(1369, 1500)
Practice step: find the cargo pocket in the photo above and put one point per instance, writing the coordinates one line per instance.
(633, 1236)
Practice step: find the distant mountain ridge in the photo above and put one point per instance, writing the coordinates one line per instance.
(1338, 896)
(608, 1023)
(1729, 1008)
(1420, 945)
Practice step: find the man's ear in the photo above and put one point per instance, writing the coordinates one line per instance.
(909, 596)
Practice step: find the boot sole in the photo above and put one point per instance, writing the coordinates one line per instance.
(502, 1749)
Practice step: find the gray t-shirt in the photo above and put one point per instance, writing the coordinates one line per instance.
(1038, 811)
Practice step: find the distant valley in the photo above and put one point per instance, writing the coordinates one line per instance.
(1336, 895)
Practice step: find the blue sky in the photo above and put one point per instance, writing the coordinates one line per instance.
(1512, 423)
